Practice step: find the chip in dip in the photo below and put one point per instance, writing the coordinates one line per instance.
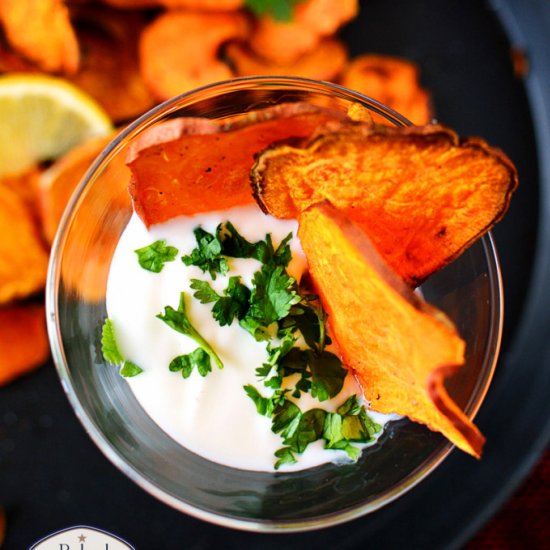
(248, 286)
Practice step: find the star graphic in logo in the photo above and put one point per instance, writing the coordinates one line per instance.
(81, 538)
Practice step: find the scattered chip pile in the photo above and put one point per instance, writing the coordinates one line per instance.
(379, 210)
(131, 54)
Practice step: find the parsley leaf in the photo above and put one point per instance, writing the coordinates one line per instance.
(178, 320)
(207, 255)
(273, 294)
(130, 369)
(236, 246)
(153, 257)
(280, 10)
(233, 304)
(327, 375)
(264, 405)
(109, 347)
(309, 429)
(286, 418)
(111, 353)
(285, 456)
(204, 293)
(197, 359)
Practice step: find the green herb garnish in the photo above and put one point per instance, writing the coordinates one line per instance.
(153, 257)
(234, 303)
(185, 364)
(179, 321)
(111, 353)
(207, 255)
(280, 10)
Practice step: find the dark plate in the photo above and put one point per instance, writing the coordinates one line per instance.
(53, 477)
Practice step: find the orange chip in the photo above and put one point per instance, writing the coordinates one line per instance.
(23, 260)
(325, 62)
(14, 62)
(23, 340)
(400, 348)
(421, 194)
(58, 182)
(178, 50)
(109, 69)
(41, 30)
(208, 170)
(132, 4)
(26, 186)
(94, 232)
(392, 81)
(203, 5)
(284, 42)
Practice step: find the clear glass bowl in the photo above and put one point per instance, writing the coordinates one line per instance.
(468, 290)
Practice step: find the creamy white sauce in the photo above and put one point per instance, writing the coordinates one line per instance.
(211, 416)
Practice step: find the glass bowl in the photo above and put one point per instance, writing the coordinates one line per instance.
(468, 290)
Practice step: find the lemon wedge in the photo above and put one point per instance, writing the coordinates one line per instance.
(42, 117)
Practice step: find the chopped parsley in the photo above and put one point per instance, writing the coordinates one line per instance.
(153, 257)
(198, 359)
(233, 304)
(111, 353)
(280, 10)
(179, 321)
(207, 255)
(277, 310)
(339, 430)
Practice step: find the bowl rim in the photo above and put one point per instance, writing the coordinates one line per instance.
(105, 446)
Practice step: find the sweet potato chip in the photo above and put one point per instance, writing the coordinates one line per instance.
(23, 340)
(207, 171)
(325, 62)
(400, 348)
(421, 194)
(13, 62)
(203, 5)
(178, 50)
(94, 232)
(41, 30)
(26, 186)
(392, 81)
(58, 182)
(23, 260)
(284, 42)
(109, 69)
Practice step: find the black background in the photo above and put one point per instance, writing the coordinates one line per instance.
(53, 477)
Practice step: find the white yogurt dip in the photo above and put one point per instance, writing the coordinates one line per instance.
(211, 416)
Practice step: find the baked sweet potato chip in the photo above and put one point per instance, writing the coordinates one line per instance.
(400, 348)
(23, 340)
(26, 185)
(283, 42)
(208, 169)
(421, 194)
(178, 51)
(58, 182)
(23, 259)
(391, 80)
(41, 30)
(109, 69)
(325, 62)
